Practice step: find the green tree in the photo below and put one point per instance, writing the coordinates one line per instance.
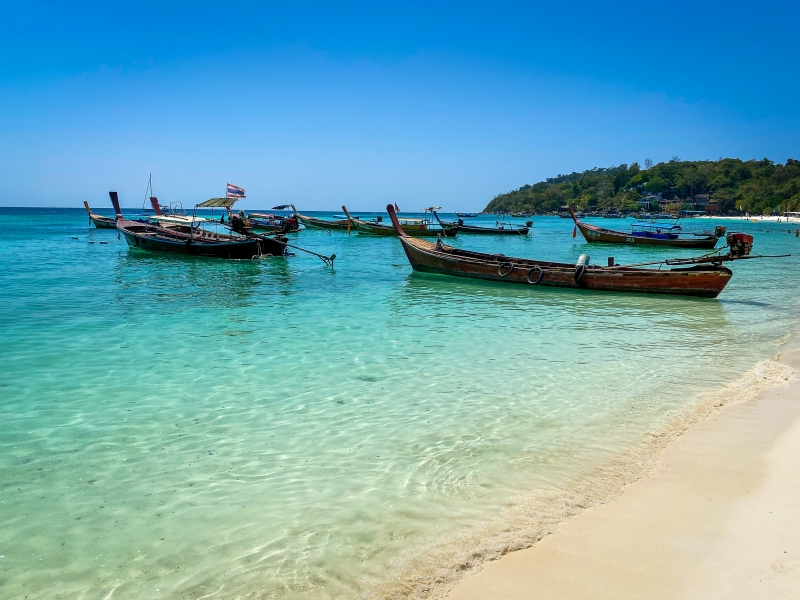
(655, 185)
(756, 185)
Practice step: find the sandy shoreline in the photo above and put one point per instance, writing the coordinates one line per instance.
(753, 218)
(718, 519)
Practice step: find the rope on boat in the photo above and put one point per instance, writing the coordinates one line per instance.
(328, 260)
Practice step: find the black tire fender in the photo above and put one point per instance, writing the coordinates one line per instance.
(538, 280)
(508, 264)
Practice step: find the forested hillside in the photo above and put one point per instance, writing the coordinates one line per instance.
(756, 186)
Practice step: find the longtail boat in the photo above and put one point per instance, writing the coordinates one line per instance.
(194, 240)
(100, 221)
(703, 276)
(501, 229)
(412, 227)
(273, 222)
(467, 215)
(648, 234)
(321, 223)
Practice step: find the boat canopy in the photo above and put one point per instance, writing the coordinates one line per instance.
(218, 202)
(431, 208)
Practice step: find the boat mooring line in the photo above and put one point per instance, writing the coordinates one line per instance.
(328, 260)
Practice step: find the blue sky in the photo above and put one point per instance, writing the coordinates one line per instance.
(369, 103)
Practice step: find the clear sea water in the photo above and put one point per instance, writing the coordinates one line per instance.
(183, 428)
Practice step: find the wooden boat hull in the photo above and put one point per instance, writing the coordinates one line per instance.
(102, 222)
(594, 234)
(705, 280)
(322, 223)
(606, 236)
(699, 281)
(478, 230)
(150, 238)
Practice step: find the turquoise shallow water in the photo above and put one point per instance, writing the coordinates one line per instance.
(179, 428)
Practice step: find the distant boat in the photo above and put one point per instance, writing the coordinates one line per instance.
(703, 276)
(501, 229)
(413, 227)
(466, 215)
(563, 212)
(100, 221)
(273, 222)
(649, 234)
(308, 221)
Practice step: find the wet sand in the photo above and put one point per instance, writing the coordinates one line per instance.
(720, 518)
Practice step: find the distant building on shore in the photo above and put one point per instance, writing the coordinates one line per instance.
(650, 201)
(698, 203)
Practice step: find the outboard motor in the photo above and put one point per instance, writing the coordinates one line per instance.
(719, 231)
(528, 223)
(460, 221)
(740, 244)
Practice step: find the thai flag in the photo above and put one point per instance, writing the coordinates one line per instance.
(234, 191)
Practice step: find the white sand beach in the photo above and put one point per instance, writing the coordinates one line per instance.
(753, 218)
(718, 519)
